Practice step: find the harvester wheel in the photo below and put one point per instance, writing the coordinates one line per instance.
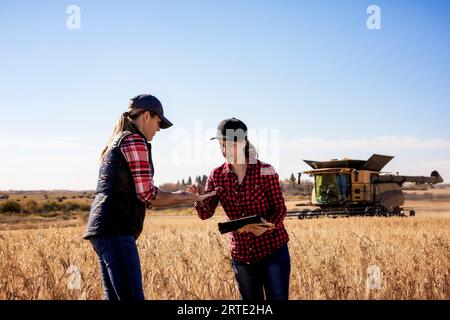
(398, 211)
(412, 213)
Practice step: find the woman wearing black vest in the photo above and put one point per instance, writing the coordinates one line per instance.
(125, 189)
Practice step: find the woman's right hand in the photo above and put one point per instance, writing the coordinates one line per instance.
(198, 192)
(194, 194)
(166, 199)
(195, 189)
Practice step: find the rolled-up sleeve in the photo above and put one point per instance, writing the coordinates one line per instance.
(134, 149)
(206, 209)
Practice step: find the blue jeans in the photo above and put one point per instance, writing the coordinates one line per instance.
(120, 267)
(269, 276)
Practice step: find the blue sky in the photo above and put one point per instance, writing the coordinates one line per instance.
(309, 70)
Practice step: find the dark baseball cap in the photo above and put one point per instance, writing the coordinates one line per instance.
(150, 103)
(231, 130)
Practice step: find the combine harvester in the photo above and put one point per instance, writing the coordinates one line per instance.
(346, 188)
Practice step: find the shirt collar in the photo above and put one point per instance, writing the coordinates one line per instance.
(137, 131)
(226, 167)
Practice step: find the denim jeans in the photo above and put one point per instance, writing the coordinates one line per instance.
(269, 276)
(120, 267)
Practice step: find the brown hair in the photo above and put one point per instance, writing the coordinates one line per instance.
(125, 123)
(250, 152)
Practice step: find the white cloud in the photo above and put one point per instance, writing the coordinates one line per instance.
(57, 144)
(387, 143)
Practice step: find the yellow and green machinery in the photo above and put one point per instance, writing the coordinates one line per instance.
(350, 187)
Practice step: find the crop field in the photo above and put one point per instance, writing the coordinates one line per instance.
(183, 257)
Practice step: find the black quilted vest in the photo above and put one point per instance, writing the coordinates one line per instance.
(116, 209)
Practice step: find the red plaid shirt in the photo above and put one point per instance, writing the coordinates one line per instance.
(258, 194)
(134, 149)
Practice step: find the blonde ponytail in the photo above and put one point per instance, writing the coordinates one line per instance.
(123, 124)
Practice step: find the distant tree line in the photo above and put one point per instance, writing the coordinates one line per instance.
(290, 186)
(296, 187)
(184, 183)
(31, 206)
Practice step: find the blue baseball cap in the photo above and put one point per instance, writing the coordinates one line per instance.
(150, 103)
